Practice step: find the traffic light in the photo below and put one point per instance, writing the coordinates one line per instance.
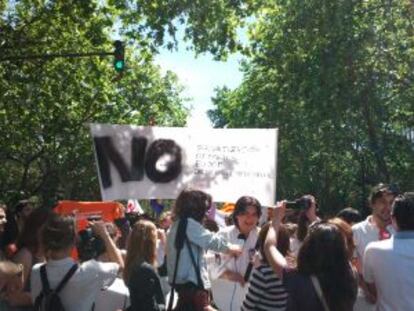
(119, 61)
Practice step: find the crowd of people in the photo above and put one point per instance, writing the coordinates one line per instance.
(283, 257)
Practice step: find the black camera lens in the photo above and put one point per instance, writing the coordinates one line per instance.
(89, 245)
(85, 234)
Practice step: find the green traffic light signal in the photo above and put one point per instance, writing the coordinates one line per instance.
(119, 65)
(119, 62)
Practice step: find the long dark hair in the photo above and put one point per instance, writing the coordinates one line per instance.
(324, 254)
(192, 203)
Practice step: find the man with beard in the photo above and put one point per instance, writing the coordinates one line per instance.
(376, 227)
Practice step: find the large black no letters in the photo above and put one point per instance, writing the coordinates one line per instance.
(141, 160)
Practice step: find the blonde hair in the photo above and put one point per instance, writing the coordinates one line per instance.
(142, 244)
(165, 215)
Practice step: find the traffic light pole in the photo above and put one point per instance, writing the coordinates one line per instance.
(118, 53)
(55, 55)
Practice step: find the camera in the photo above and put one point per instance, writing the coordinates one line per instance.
(302, 203)
(89, 245)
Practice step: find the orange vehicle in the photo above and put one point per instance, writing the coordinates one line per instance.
(83, 212)
(108, 211)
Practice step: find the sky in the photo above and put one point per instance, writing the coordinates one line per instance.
(200, 76)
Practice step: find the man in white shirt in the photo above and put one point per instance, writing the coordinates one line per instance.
(79, 294)
(228, 283)
(376, 227)
(389, 265)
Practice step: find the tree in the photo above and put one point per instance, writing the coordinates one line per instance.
(335, 78)
(209, 25)
(46, 104)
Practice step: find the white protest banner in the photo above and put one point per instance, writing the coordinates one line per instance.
(158, 162)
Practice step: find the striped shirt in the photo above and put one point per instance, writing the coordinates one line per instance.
(266, 291)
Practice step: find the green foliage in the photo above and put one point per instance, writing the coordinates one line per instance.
(336, 78)
(46, 104)
(209, 25)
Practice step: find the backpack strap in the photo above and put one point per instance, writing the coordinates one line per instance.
(195, 265)
(45, 281)
(319, 292)
(66, 278)
(45, 287)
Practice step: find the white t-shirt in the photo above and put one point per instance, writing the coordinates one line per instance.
(229, 295)
(366, 232)
(389, 264)
(80, 292)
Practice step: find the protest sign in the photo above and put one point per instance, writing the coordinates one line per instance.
(158, 162)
